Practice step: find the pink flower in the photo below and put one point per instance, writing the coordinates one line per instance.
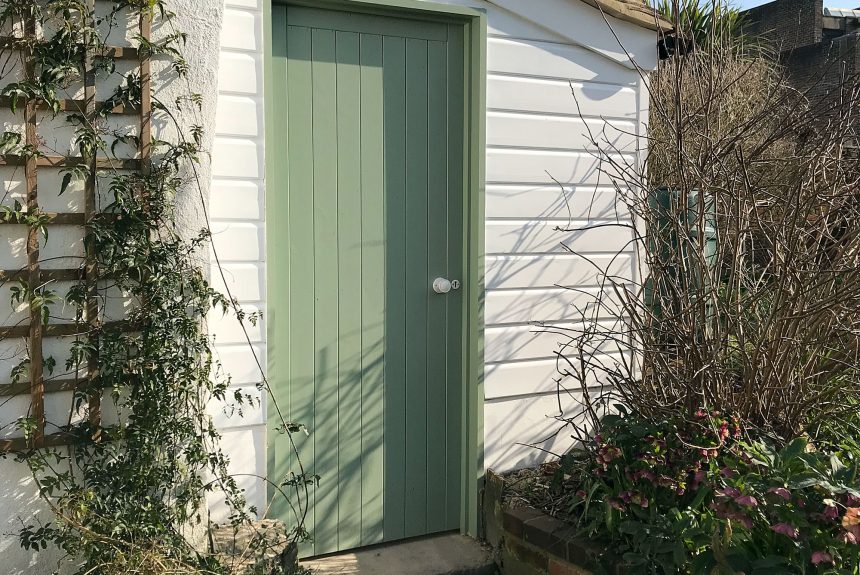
(746, 501)
(785, 529)
(728, 473)
(644, 474)
(831, 512)
(615, 504)
(822, 557)
(740, 518)
(848, 537)
(731, 492)
(781, 492)
(581, 494)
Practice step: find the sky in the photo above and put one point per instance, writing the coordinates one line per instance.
(744, 4)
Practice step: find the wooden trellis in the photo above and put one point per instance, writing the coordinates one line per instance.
(34, 331)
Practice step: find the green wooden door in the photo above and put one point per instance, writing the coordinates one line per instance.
(367, 209)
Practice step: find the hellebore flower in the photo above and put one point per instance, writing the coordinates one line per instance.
(848, 537)
(785, 529)
(741, 518)
(822, 557)
(781, 492)
(731, 492)
(746, 501)
(831, 512)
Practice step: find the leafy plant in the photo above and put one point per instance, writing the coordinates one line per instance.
(132, 485)
(701, 496)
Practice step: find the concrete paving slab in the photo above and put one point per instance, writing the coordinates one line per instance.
(448, 554)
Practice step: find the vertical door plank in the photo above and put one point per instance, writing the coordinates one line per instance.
(279, 454)
(417, 287)
(372, 285)
(437, 242)
(457, 199)
(325, 216)
(394, 98)
(300, 368)
(349, 251)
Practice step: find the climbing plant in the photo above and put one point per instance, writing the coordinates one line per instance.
(127, 474)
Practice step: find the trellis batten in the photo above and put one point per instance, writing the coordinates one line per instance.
(33, 329)
(112, 52)
(71, 161)
(72, 105)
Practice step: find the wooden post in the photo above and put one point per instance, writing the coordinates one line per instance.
(34, 276)
(90, 208)
(145, 97)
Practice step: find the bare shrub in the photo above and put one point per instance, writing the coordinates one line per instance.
(745, 218)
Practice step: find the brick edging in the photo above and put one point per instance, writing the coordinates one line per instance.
(554, 537)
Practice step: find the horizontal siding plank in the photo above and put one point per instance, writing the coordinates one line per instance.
(549, 167)
(560, 132)
(523, 306)
(586, 202)
(510, 426)
(561, 97)
(548, 271)
(553, 60)
(519, 343)
(503, 237)
(505, 380)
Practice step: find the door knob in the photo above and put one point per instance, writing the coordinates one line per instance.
(442, 285)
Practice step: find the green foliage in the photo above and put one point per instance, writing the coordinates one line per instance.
(679, 496)
(708, 23)
(132, 484)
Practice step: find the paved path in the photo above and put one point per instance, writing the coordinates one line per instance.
(448, 554)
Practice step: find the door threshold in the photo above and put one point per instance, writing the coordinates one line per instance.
(441, 554)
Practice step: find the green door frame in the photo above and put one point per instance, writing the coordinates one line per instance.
(475, 34)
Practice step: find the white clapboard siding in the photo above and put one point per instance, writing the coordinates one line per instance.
(561, 97)
(553, 201)
(552, 60)
(538, 236)
(556, 106)
(237, 220)
(550, 304)
(524, 129)
(529, 166)
(523, 378)
(519, 343)
(542, 271)
(523, 431)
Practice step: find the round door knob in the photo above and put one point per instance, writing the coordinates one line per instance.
(442, 285)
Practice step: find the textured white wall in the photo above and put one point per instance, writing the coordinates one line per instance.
(18, 498)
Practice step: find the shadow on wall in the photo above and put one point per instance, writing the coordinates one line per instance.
(19, 505)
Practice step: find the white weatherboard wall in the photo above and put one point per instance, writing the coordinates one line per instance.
(548, 63)
(555, 73)
(237, 220)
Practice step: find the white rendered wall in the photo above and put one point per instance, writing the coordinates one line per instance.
(19, 501)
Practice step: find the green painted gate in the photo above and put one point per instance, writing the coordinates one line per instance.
(366, 208)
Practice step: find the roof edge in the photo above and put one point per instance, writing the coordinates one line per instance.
(643, 15)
